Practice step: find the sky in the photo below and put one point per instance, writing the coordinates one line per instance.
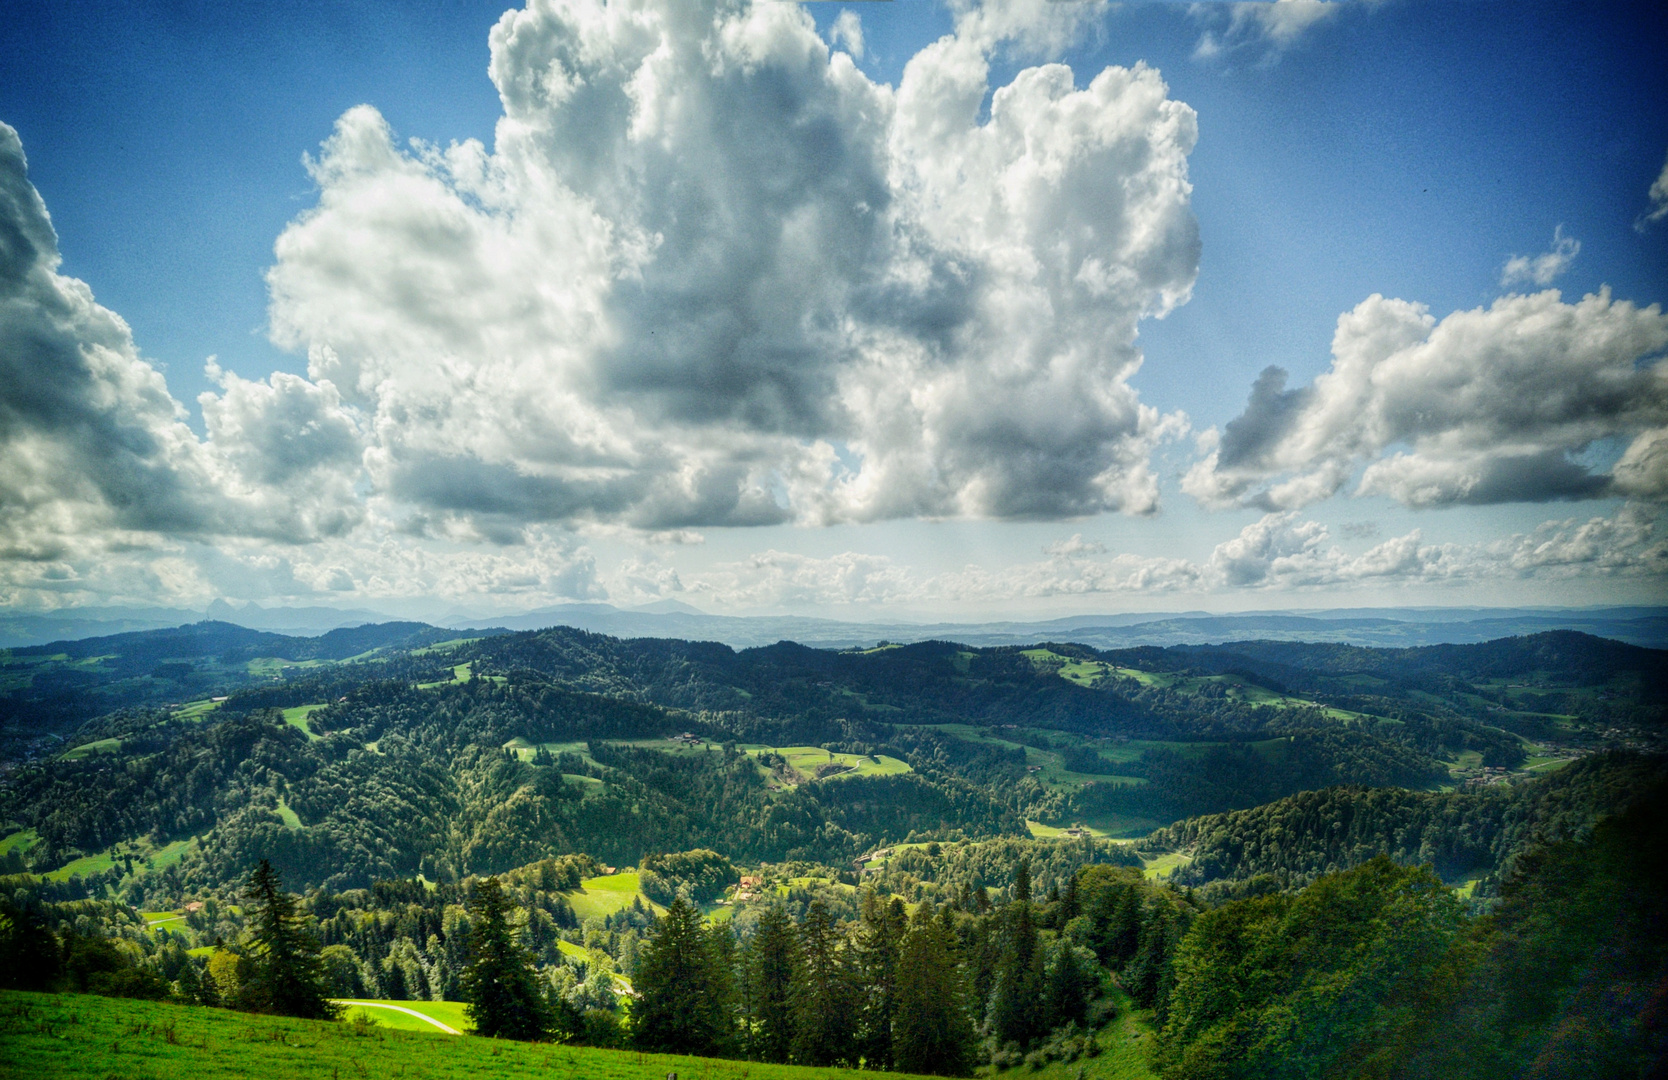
(874, 310)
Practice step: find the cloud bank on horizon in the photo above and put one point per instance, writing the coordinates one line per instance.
(712, 275)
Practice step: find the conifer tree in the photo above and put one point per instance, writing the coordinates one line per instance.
(30, 957)
(931, 1032)
(499, 982)
(1069, 984)
(879, 938)
(825, 1000)
(1013, 1015)
(773, 970)
(289, 976)
(683, 1006)
(725, 951)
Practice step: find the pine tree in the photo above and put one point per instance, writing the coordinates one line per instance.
(773, 970)
(683, 1006)
(289, 976)
(825, 1001)
(878, 939)
(725, 951)
(1069, 985)
(931, 1032)
(1072, 905)
(30, 957)
(1013, 1015)
(499, 982)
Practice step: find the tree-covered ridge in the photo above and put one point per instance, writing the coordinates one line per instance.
(46, 690)
(1377, 972)
(1466, 834)
(473, 756)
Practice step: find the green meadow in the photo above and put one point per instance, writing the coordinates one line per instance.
(600, 897)
(143, 852)
(398, 1014)
(83, 1037)
(807, 759)
(297, 718)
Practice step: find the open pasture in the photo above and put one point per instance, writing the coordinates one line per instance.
(297, 716)
(599, 897)
(806, 760)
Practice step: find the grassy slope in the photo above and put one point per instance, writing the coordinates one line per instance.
(297, 718)
(1125, 1045)
(805, 760)
(81, 1037)
(97, 863)
(386, 1013)
(599, 897)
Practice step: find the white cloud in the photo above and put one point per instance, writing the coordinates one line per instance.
(1658, 196)
(1544, 268)
(1630, 543)
(848, 31)
(94, 451)
(1280, 552)
(1489, 405)
(714, 275)
(1270, 26)
(710, 275)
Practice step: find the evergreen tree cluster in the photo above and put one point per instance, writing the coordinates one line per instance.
(937, 991)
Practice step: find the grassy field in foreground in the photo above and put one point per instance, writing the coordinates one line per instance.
(82, 1037)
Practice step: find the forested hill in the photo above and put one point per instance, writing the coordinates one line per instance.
(230, 643)
(48, 689)
(935, 681)
(1564, 656)
(387, 751)
(1471, 835)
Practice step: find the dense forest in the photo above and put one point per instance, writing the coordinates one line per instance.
(1374, 971)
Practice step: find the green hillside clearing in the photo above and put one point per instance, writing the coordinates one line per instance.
(600, 897)
(297, 718)
(806, 760)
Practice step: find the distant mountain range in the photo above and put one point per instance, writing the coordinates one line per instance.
(1386, 627)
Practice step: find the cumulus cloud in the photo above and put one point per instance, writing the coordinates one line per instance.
(1544, 268)
(95, 451)
(1491, 405)
(1658, 196)
(1269, 26)
(714, 275)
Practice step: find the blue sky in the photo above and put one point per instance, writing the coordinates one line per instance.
(1402, 149)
